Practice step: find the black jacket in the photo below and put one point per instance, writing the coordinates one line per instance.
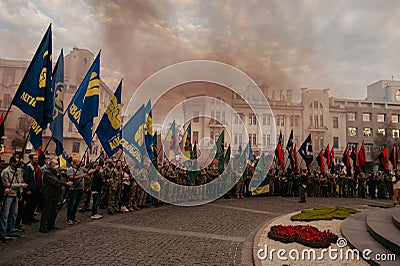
(52, 185)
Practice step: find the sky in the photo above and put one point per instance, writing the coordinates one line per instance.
(340, 45)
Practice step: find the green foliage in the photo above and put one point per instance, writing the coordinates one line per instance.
(323, 213)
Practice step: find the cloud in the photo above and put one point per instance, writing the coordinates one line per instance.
(343, 45)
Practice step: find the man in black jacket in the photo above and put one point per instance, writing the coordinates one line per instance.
(303, 186)
(51, 193)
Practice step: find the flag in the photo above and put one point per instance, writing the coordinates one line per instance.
(56, 126)
(148, 130)
(250, 150)
(263, 187)
(393, 157)
(84, 106)
(41, 157)
(321, 162)
(187, 142)
(193, 155)
(280, 139)
(306, 151)
(155, 151)
(279, 154)
(354, 157)
(384, 160)
(171, 137)
(237, 156)
(295, 165)
(361, 157)
(289, 144)
(34, 95)
(1, 126)
(87, 159)
(346, 157)
(220, 150)
(133, 139)
(327, 155)
(332, 158)
(64, 164)
(109, 129)
(228, 154)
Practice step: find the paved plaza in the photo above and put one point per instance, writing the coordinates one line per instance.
(219, 233)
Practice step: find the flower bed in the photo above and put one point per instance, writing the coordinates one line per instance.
(306, 235)
(323, 213)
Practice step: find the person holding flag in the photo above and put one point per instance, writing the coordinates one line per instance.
(306, 151)
(279, 152)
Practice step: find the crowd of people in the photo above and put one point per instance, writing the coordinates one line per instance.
(28, 189)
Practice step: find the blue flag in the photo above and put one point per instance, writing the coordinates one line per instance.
(64, 164)
(56, 126)
(34, 95)
(148, 130)
(289, 145)
(306, 151)
(171, 137)
(84, 105)
(109, 128)
(251, 157)
(133, 139)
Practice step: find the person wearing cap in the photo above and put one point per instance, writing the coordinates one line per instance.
(51, 193)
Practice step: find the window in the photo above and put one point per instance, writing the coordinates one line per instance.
(264, 119)
(291, 120)
(315, 121)
(398, 95)
(6, 100)
(218, 116)
(250, 137)
(196, 118)
(254, 120)
(352, 145)
(195, 136)
(367, 132)
(240, 139)
(280, 120)
(254, 139)
(250, 119)
(395, 119)
(395, 133)
(381, 131)
(235, 139)
(268, 140)
(311, 121)
(321, 121)
(296, 121)
(367, 117)
(351, 116)
(268, 120)
(23, 123)
(368, 147)
(264, 139)
(352, 131)
(75, 147)
(336, 142)
(380, 118)
(335, 122)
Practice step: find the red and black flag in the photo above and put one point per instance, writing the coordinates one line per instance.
(346, 160)
(354, 157)
(394, 157)
(279, 152)
(327, 155)
(361, 157)
(384, 160)
(332, 158)
(321, 162)
(295, 165)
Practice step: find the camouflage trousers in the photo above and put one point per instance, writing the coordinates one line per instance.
(114, 197)
(85, 202)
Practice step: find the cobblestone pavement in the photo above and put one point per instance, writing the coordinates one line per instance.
(219, 233)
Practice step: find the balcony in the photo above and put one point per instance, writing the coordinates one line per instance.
(317, 129)
(216, 124)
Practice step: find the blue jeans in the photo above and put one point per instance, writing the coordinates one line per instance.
(75, 197)
(96, 197)
(8, 216)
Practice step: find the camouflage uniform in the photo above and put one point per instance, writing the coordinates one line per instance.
(362, 186)
(87, 194)
(239, 186)
(115, 190)
(106, 187)
(133, 203)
